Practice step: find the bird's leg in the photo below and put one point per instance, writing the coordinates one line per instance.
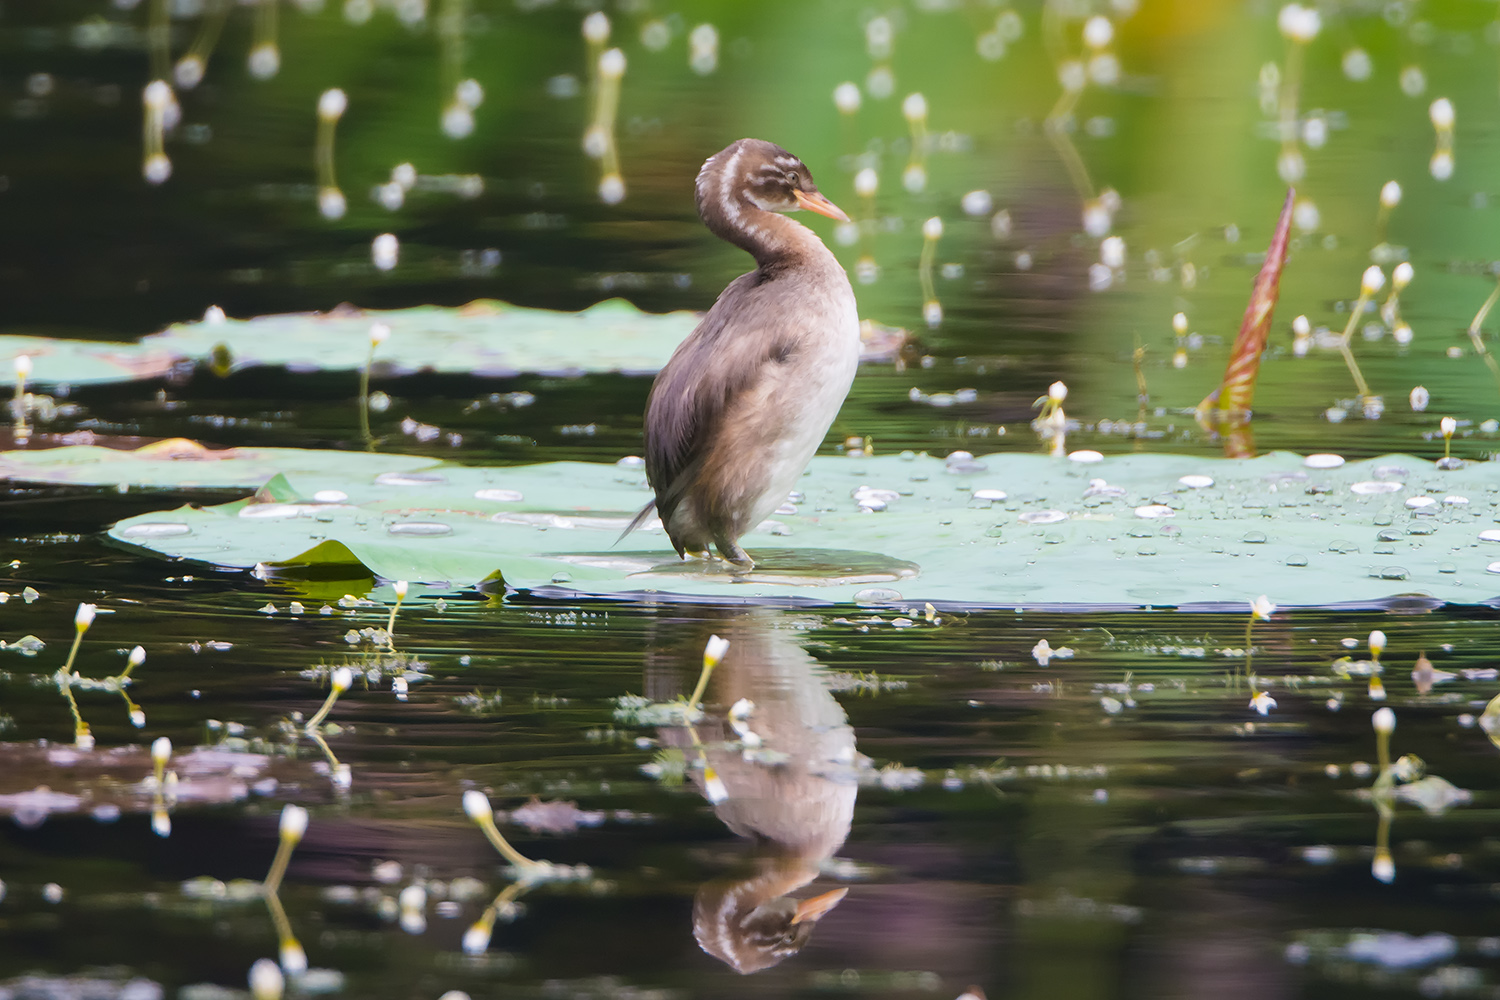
(730, 550)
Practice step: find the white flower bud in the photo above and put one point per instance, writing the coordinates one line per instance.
(932, 229)
(612, 189)
(1301, 327)
(400, 587)
(293, 822)
(138, 718)
(1419, 398)
(385, 249)
(1098, 31)
(23, 365)
(914, 108)
(1441, 113)
(293, 958)
(1390, 194)
(332, 104)
(714, 651)
(161, 751)
(1384, 721)
(477, 938)
(1372, 281)
(1057, 392)
(866, 182)
(1383, 867)
(1262, 608)
(596, 28)
(1180, 324)
(266, 980)
(404, 174)
(477, 805)
(342, 678)
(1112, 252)
(1448, 425)
(137, 657)
(1401, 276)
(846, 97)
(84, 617)
(612, 64)
(1377, 642)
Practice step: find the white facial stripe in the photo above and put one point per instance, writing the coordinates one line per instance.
(726, 188)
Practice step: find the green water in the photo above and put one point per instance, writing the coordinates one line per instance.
(1119, 822)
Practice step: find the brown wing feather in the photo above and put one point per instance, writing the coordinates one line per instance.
(722, 358)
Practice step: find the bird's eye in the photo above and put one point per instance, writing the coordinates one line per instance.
(793, 180)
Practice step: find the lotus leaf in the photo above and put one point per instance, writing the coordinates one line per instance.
(482, 338)
(1008, 530)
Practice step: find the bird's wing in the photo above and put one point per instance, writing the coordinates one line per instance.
(722, 358)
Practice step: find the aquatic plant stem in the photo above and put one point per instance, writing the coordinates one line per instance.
(1360, 305)
(364, 399)
(1477, 339)
(486, 822)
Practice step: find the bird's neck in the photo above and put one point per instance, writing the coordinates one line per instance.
(775, 241)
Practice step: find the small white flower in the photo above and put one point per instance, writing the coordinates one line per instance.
(1057, 392)
(477, 805)
(161, 823)
(1262, 608)
(84, 617)
(1401, 275)
(1383, 867)
(1042, 652)
(1377, 643)
(1263, 703)
(266, 980)
(138, 718)
(1372, 281)
(161, 751)
(1441, 113)
(1448, 426)
(932, 229)
(23, 365)
(400, 587)
(714, 651)
(713, 786)
(477, 938)
(332, 104)
(293, 822)
(1180, 324)
(1384, 721)
(1390, 194)
(379, 333)
(342, 678)
(846, 97)
(293, 958)
(914, 107)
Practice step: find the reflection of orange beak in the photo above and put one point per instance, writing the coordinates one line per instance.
(815, 202)
(809, 910)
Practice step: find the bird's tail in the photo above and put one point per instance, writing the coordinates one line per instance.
(637, 521)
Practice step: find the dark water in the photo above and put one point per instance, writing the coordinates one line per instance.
(1120, 822)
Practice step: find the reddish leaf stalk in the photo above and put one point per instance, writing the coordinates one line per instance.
(1236, 392)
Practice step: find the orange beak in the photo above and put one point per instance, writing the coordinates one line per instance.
(812, 909)
(815, 202)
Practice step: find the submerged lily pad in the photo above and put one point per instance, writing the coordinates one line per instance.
(482, 338)
(1265, 525)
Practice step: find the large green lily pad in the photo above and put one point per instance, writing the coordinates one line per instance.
(482, 338)
(1124, 531)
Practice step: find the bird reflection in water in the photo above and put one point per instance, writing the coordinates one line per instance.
(792, 795)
